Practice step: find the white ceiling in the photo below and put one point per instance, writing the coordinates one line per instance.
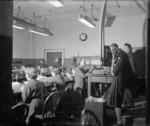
(71, 10)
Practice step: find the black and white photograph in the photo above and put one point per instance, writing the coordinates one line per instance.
(74, 63)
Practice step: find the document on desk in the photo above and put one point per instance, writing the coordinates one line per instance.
(15, 83)
(16, 86)
(94, 99)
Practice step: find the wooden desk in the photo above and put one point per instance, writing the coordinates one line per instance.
(100, 78)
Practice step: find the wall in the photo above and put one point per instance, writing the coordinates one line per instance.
(66, 36)
(124, 29)
(23, 46)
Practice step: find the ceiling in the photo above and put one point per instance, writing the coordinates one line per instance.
(71, 9)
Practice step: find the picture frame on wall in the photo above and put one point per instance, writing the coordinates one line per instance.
(54, 57)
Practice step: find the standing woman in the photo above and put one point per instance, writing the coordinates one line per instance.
(122, 72)
(80, 75)
(128, 50)
(133, 86)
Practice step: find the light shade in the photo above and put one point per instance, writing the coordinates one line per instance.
(86, 20)
(40, 31)
(18, 27)
(56, 3)
(22, 22)
(109, 19)
(37, 32)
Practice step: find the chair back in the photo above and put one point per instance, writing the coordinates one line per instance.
(69, 87)
(67, 101)
(68, 93)
(51, 103)
(20, 112)
(88, 118)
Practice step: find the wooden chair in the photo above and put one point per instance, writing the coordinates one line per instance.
(20, 113)
(69, 87)
(88, 118)
(49, 111)
(69, 99)
(66, 107)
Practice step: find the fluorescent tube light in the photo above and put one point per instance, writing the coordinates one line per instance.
(86, 20)
(56, 3)
(18, 20)
(18, 27)
(40, 33)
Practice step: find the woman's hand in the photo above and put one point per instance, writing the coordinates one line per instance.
(113, 61)
(22, 88)
(113, 56)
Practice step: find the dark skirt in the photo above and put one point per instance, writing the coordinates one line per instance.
(114, 95)
(36, 106)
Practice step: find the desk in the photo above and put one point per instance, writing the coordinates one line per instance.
(100, 78)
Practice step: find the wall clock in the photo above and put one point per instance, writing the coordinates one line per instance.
(83, 36)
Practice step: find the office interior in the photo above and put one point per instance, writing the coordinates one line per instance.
(69, 39)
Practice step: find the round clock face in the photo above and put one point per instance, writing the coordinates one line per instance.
(83, 36)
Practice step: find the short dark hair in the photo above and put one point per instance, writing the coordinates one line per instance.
(114, 45)
(120, 53)
(128, 45)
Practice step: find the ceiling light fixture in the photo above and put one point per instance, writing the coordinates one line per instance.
(40, 33)
(18, 27)
(56, 3)
(22, 23)
(86, 20)
(109, 19)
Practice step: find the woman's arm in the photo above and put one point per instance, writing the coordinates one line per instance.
(48, 80)
(89, 72)
(26, 93)
(112, 65)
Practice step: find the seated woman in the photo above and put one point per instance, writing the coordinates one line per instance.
(32, 93)
(57, 79)
(71, 74)
(63, 73)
